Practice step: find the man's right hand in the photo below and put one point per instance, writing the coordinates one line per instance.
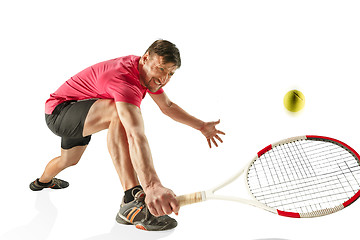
(161, 201)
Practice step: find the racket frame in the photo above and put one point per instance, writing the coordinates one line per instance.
(210, 193)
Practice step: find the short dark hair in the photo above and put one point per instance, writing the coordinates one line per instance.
(167, 50)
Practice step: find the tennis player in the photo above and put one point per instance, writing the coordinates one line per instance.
(108, 95)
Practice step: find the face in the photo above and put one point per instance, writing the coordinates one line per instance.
(154, 74)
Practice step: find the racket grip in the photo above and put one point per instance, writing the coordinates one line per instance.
(190, 198)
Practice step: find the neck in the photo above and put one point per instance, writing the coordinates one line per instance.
(141, 72)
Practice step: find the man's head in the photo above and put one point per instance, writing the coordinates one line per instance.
(167, 50)
(158, 64)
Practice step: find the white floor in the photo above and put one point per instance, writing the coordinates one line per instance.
(239, 60)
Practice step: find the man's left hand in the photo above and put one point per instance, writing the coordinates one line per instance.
(211, 133)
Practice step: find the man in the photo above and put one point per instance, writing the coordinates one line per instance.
(107, 95)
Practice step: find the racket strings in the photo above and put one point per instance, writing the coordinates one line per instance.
(305, 176)
(302, 193)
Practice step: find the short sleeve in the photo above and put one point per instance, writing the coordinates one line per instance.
(125, 92)
(160, 91)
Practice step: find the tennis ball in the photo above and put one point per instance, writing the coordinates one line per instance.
(294, 101)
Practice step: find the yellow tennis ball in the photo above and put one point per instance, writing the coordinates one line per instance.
(294, 101)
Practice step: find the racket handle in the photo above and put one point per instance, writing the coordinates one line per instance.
(190, 198)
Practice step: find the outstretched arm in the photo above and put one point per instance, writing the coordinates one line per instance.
(159, 199)
(208, 129)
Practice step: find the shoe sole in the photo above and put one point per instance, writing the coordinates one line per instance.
(122, 221)
(165, 228)
(140, 226)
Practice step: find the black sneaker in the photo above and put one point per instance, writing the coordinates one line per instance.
(54, 184)
(137, 213)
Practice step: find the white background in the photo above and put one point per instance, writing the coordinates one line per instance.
(239, 59)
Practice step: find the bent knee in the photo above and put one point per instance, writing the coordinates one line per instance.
(100, 116)
(110, 111)
(108, 108)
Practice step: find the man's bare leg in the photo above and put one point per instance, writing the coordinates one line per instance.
(69, 157)
(103, 115)
(118, 147)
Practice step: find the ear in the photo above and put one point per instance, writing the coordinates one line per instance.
(145, 57)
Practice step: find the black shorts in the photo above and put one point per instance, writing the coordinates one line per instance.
(67, 121)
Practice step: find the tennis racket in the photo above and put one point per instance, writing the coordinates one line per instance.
(306, 176)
